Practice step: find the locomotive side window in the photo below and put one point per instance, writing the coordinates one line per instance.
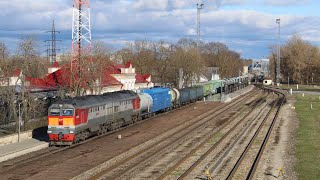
(116, 108)
(54, 112)
(67, 112)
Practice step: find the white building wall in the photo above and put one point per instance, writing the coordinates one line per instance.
(267, 82)
(143, 85)
(52, 70)
(11, 80)
(128, 80)
(111, 89)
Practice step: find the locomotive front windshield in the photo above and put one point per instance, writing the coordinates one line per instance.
(54, 112)
(62, 112)
(67, 112)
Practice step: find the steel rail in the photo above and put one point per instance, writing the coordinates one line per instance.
(222, 109)
(238, 138)
(265, 141)
(239, 161)
(194, 165)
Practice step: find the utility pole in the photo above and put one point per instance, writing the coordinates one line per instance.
(278, 53)
(52, 49)
(81, 57)
(199, 7)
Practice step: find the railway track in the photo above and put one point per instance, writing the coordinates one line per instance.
(128, 164)
(172, 171)
(265, 129)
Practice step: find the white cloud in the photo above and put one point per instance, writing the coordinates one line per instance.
(122, 21)
(150, 5)
(285, 2)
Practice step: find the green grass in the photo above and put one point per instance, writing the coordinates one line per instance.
(301, 87)
(308, 138)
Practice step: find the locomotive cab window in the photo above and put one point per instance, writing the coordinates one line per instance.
(67, 112)
(54, 112)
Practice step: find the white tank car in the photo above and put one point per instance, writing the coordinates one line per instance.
(175, 94)
(145, 103)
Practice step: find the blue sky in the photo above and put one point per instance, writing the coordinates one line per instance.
(246, 26)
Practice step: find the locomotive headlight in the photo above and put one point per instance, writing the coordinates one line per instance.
(71, 132)
(49, 132)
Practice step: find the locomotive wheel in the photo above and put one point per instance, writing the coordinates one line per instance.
(86, 135)
(76, 140)
(100, 131)
(105, 129)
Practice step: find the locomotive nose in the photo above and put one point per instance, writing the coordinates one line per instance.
(60, 135)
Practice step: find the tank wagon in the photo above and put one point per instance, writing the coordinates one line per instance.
(175, 97)
(74, 120)
(146, 103)
(161, 99)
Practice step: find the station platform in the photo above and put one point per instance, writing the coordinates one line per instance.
(13, 150)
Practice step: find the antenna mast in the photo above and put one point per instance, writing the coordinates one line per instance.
(81, 46)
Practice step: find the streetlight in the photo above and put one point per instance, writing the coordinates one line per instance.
(20, 120)
(278, 53)
(20, 117)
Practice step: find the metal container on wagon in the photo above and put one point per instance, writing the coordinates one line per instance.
(184, 96)
(200, 92)
(161, 98)
(193, 93)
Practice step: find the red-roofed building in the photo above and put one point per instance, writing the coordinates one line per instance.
(55, 67)
(52, 81)
(116, 78)
(143, 81)
(13, 79)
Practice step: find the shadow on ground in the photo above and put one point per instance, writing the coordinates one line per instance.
(40, 134)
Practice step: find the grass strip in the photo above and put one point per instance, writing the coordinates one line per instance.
(308, 137)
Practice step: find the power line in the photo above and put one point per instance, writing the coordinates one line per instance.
(52, 45)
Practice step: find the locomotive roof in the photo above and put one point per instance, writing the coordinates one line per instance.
(96, 100)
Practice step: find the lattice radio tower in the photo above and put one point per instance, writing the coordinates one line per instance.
(81, 57)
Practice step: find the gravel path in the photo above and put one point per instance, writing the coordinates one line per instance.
(280, 152)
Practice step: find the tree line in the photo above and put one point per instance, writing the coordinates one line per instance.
(299, 62)
(163, 59)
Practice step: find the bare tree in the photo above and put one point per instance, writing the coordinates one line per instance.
(28, 55)
(299, 61)
(101, 61)
(4, 52)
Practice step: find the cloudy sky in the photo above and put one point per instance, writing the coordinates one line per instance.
(246, 26)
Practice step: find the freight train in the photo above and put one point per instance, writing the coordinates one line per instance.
(73, 120)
